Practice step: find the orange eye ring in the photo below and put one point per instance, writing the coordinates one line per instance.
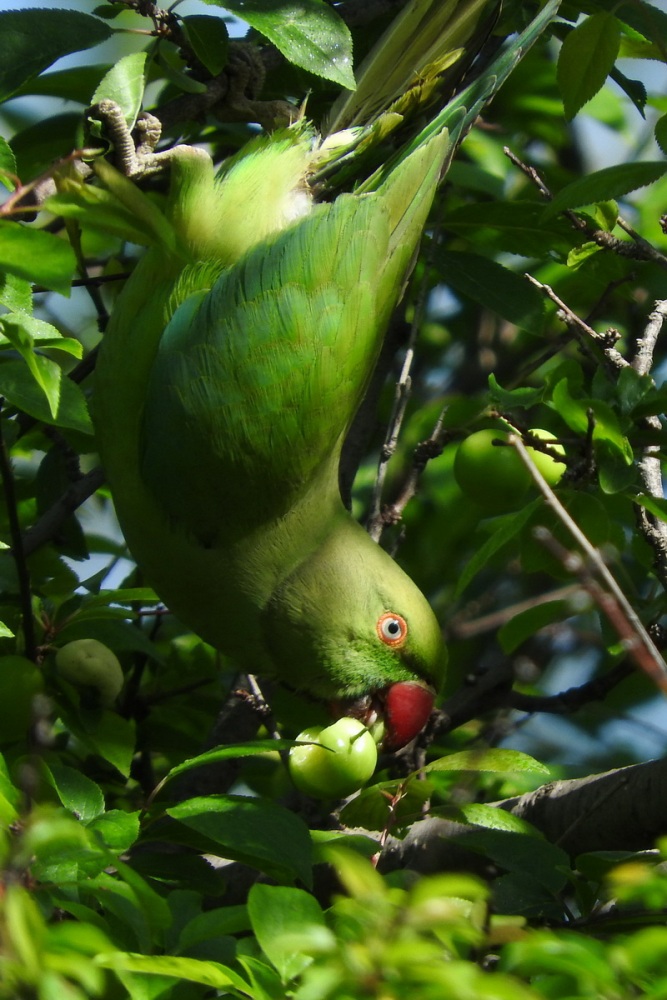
(392, 629)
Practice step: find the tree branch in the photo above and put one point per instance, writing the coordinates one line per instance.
(624, 809)
(49, 524)
(639, 249)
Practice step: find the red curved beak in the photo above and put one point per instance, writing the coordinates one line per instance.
(407, 709)
(404, 707)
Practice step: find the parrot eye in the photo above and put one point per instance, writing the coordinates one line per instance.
(392, 629)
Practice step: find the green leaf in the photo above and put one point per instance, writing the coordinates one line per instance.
(7, 164)
(265, 981)
(240, 825)
(372, 808)
(661, 133)
(124, 84)
(10, 796)
(173, 68)
(635, 89)
(30, 40)
(655, 402)
(118, 830)
(209, 39)
(586, 58)
(493, 286)
(280, 916)
(15, 294)
(546, 863)
(77, 792)
(579, 255)
(492, 818)
(498, 761)
(656, 505)
(94, 623)
(526, 624)
(616, 472)
(309, 33)
(510, 399)
(124, 595)
(21, 332)
(122, 210)
(607, 429)
(606, 213)
(37, 332)
(249, 749)
(605, 185)
(20, 389)
(359, 877)
(113, 739)
(648, 19)
(513, 227)
(212, 924)
(20, 682)
(506, 531)
(38, 145)
(36, 256)
(632, 388)
(70, 84)
(192, 969)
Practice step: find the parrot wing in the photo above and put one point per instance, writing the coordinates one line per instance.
(256, 381)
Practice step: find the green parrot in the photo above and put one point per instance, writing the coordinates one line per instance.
(234, 362)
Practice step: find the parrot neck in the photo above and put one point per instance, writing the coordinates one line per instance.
(278, 546)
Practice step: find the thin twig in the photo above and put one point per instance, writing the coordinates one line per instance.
(495, 619)
(376, 520)
(262, 706)
(612, 600)
(99, 279)
(649, 465)
(40, 188)
(567, 702)
(491, 690)
(639, 249)
(423, 453)
(578, 326)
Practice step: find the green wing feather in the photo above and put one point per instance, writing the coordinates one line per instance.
(259, 380)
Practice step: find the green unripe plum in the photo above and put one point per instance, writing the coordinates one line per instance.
(492, 475)
(551, 469)
(88, 663)
(338, 761)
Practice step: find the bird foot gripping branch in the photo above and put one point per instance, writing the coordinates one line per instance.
(235, 360)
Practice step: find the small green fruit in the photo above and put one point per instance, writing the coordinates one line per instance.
(336, 762)
(88, 663)
(551, 469)
(491, 475)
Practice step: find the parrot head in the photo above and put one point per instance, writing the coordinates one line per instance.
(355, 624)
